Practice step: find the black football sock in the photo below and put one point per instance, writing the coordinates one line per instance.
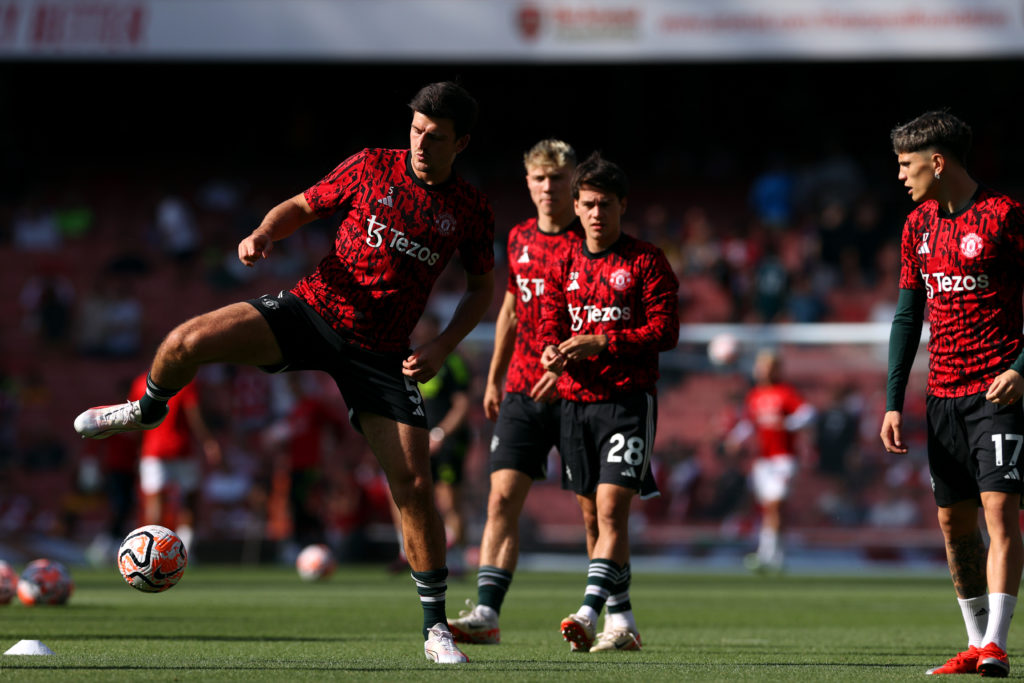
(153, 404)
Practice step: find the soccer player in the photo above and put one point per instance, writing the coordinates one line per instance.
(963, 255)
(404, 213)
(775, 411)
(167, 464)
(525, 431)
(611, 306)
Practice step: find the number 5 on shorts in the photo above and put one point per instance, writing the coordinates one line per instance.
(998, 439)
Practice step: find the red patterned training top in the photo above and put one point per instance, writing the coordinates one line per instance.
(971, 266)
(531, 254)
(396, 235)
(627, 292)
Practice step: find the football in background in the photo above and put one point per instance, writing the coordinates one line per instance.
(723, 349)
(8, 582)
(45, 582)
(315, 562)
(152, 558)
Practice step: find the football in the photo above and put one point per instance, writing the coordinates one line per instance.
(152, 558)
(315, 562)
(723, 349)
(8, 583)
(45, 582)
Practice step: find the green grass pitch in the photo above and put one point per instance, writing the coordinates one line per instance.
(264, 624)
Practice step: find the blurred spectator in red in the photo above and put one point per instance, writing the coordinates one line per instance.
(316, 427)
(169, 472)
(775, 412)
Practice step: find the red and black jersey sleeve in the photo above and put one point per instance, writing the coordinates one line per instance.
(971, 268)
(532, 253)
(628, 293)
(396, 234)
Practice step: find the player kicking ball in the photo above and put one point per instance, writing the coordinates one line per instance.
(404, 213)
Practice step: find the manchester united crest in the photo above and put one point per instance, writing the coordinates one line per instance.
(621, 279)
(445, 223)
(971, 245)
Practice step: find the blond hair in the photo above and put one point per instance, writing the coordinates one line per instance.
(550, 152)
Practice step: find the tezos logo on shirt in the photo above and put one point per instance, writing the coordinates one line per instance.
(597, 314)
(375, 237)
(941, 283)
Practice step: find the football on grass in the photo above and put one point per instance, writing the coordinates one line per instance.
(152, 558)
(45, 582)
(8, 583)
(315, 562)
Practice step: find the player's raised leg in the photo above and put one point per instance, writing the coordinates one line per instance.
(236, 333)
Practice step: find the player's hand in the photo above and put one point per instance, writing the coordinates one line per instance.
(552, 359)
(583, 346)
(492, 401)
(892, 426)
(544, 390)
(256, 246)
(1006, 388)
(425, 361)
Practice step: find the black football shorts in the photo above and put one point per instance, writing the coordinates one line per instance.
(369, 381)
(524, 435)
(609, 443)
(974, 445)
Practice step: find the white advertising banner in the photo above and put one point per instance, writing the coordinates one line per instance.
(511, 30)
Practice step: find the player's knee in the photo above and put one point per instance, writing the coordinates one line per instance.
(503, 504)
(183, 342)
(954, 524)
(411, 490)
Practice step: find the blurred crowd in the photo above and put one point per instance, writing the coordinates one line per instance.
(102, 269)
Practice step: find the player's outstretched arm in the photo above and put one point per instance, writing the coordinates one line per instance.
(892, 427)
(281, 221)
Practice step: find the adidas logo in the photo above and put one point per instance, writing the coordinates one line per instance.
(575, 282)
(418, 411)
(1013, 474)
(923, 248)
(628, 472)
(525, 256)
(387, 200)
